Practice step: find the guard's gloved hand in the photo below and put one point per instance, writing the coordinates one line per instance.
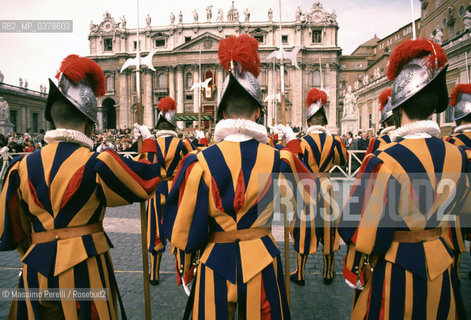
(141, 130)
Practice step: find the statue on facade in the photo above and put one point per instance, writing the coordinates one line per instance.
(270, 15)
(236, 15)
(106, 16)
(247, 15)
(366, 80)
(21, 82)
(180, 17)
(467, 19)
(332, 17)
(209, 13)
(376, 73)
(26, 83)
(349, 103)
(195, 16)
(123, 22)
(93, 27)
(4, 110)
(220, 15)
(148, 20)
(298, 13)
(437, 35)
(356, 85)
(172, 18)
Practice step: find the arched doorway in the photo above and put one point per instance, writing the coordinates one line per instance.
(109, 114)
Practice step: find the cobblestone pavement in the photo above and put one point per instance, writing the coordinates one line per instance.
(313, 301)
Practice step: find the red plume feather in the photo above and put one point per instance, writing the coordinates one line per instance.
(315, 95)
(384, 97)
(461, 88)
(410, 49)
(242, 49)
(166, 104)
(77, 68)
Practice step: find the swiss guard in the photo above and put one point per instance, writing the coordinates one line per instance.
(386, 121)
(398, 260)
(167, 150)
(461, 136)
(53, 202)
(319, 150)
(461, 102)
(223, 199)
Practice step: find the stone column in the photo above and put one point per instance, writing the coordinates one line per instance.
(147, 99)
(123, 96)
(171, 82)
(196, 92)
(297, 96)
(180, 106)
(24, 119)
(100, 117)
(269, 93)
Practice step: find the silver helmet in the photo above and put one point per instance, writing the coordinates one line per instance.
(316, 100)
(418, 72)
(79, 78)
(239, 57)
(387, 111)
(461, 101)
(168, 117)
(246, 81)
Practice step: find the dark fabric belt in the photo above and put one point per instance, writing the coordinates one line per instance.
(238, 235)
(166, 178)
(65, 233)
(417, 236)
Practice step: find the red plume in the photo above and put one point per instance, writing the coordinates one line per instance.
(461, 88)
(410, 49)
(167, 104)
(242, 49)
(315, 95)
(77, 68)
(384, 97)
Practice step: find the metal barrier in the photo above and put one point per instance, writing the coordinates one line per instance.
(347, 172)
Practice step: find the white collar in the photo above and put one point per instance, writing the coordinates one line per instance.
(68, 135)
(463, 128)
(387, 130)
(317, 129)
(417, 130)
(166, 133)
(240, 130)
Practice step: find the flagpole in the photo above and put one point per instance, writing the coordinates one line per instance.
(414, 34)
(199, 95)
(467, 70)
(283, 121)
(140, 120)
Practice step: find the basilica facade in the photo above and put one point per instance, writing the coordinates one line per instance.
(184, 53)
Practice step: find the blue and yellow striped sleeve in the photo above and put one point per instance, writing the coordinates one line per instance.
(124, 181)
(340, 152)
(14, 226)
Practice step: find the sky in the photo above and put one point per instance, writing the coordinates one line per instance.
(37, 56)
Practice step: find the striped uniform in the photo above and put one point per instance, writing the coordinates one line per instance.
(168, 152)
(375, 143)
(457, 234)
(59, 186)
(406, 186)
(228, 187)
(319, 152)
